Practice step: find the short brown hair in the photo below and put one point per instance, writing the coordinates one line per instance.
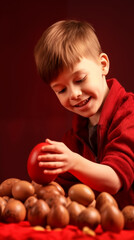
(62, 45)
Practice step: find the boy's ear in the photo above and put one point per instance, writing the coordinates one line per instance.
(104, 60)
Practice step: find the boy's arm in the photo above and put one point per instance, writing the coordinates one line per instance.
(99, 177)
(60, 159)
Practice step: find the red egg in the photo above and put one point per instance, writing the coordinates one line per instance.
(35, 172)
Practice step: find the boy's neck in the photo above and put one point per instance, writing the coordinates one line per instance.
(94, 119)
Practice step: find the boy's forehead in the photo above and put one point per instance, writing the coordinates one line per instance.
(83, 64)
(78, 67)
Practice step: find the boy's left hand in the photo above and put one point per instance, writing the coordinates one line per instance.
(57, 158)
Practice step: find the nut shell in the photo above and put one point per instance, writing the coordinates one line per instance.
(81, 193)
(58, 217)
(6, 186)
(3, 203)
(14, 211)
(103, 198)
(37, 214)
(89, 217)
(112, 219)
(47, 191)
(58, 186)
(74, 210)
(21, 190)
(30, 201)
(57, 199)
(128, 213)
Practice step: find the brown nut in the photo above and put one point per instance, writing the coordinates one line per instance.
(14, 211)
(112, 219)
(21, 190)
(58, 217)
(103, 198)
(6, 187)
(74, 209)
(81, 193)
(89, 217)
(37, 214)
(128, 213)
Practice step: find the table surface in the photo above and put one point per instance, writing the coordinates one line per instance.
(23, 231)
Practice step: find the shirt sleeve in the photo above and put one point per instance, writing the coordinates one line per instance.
(119, 149)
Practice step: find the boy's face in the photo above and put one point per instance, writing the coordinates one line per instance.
(83, 89)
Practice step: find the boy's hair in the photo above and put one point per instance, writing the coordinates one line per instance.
(62, 45)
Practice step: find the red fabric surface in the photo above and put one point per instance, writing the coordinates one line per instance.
(23, 231)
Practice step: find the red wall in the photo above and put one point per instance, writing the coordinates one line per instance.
(29, 111)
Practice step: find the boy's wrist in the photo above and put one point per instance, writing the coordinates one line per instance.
(76, 163)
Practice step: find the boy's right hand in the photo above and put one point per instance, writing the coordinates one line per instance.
(58, 158)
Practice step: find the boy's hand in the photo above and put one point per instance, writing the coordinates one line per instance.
(58, 159)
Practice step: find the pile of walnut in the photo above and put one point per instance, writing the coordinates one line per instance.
(48, 206)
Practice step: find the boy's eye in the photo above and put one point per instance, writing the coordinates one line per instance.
(81, 80)
(62, 91)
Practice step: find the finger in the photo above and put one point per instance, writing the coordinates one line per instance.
(51, 165)
(50, 157)
(53, 171)
(50, 141)
(51, 148)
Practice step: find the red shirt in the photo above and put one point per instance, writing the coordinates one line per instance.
(115, 139)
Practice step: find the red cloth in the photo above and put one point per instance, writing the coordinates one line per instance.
(115, 134)
(23, 231)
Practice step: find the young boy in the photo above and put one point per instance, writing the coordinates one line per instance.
(99, 149)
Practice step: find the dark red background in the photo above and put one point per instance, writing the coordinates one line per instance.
(29, 111)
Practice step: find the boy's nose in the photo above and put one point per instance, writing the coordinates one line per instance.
(75, 94)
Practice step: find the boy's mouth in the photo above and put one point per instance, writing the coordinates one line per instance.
(82, 103)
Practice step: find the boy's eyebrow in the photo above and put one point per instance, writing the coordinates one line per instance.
(82, 71)
(55, 85)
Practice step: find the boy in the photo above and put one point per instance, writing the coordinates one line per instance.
(99, 149)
